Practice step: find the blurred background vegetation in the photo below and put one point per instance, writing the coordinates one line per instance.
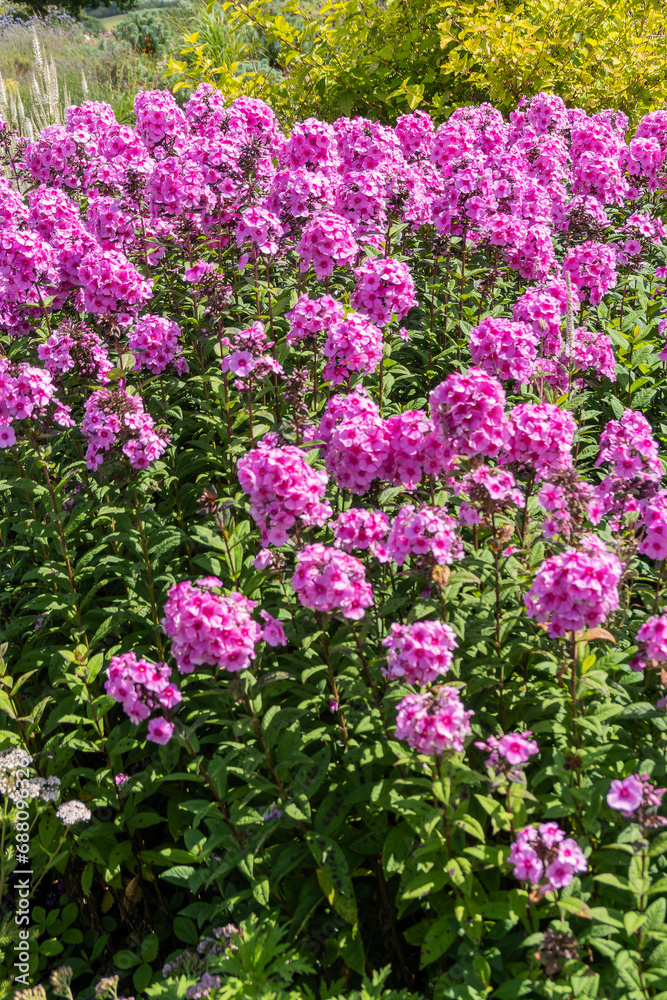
(326, 58)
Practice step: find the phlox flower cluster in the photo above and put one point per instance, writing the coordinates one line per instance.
(285, 491)
(545, 308)
(312, 145)
(591, 350)
(545, 857)
(468, 410)
(353, 346)
(141, 687)
(653, 521)
(540, 438)
(113, 419)
(297, 195)
(73, 347)
(592, 267)
(426, 533)
(504, 348)
(327, 241)
(576, 589)
(384, 287)
(638, 799)
(27, 393)
(154, 342)
(488, 491)
(210, 629)
(360, 199)
(111, 284)
(415, 133)
(311, 317)
(261, 228)
(247, 358)
(357, 447)
(328, 580)
(433, 723)
(414, 450)
(358, 528)
(568, 501)
(651, 639)
(355, 406)
(419, 653)
(630, 448)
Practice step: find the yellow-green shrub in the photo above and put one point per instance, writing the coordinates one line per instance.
(593, 53)
(383, 59)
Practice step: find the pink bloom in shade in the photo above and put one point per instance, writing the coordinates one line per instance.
(327, 241)
(540, 437)
(7, 436)
(273, 632)
(626, 795)
(121, 779)
(550, 833)
(629, 446)
(209, 629)
(546, 857)
(333, 705)
(559, 874)
(419, 653)
(517, 748)
(285, 491)
(170, 696)
(504, 348)
(311, 317)
(527, 866)
(136, 710)
(468, 411)
(196, 273)
(159, 730)
(240, 362)
(570, 853)
(653, 637)
(353, 346)
(263, 559)
(154, 343)
(425, 533)
(653, 518)
(384, 286)
(328, 580)
(209, 582)
(433, 723)
(576, 589)
(357, 528)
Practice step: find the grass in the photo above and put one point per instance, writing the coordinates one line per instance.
(99, 68)
(110, 22)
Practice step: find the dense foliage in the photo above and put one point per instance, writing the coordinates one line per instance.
(145, 30)
(333, 542)
(349, 57)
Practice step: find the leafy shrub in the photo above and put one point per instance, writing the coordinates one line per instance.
(232, 55)
(305, 678)
(353, 58)
(145, 30)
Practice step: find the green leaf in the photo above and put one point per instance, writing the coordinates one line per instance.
(333, 876)
(125, 959)
(438, 938)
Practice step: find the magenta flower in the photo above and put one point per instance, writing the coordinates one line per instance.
(433, 723)
(625, 795)
(160, 731)
(273, 632)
